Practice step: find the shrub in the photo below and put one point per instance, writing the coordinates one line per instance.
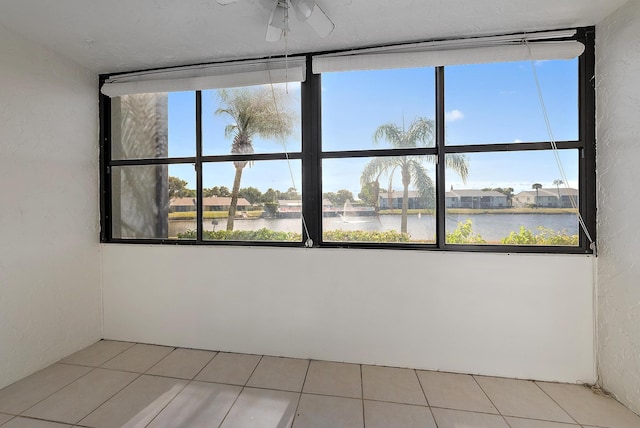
(463, 234)
(364, 236)
(243, 235)
(545, 237)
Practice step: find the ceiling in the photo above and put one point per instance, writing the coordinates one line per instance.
(124, 35)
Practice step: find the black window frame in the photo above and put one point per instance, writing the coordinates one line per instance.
(311, 156)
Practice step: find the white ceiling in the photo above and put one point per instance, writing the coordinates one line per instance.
(121, 35)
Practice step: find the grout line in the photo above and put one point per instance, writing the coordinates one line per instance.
(113, 395)
(422, 387)
(364, 419)
(243, 387)
(206, 364)
(295, 413)
(557, 404)
(168, 403)
(54, 392)
(486, 395)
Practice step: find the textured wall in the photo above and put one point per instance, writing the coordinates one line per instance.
(49, 253)
(618, 122)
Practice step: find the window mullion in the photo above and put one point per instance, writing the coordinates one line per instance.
(440, 166)
(311, 148)
(198, 167)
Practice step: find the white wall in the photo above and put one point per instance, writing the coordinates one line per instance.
(618, 122)
(49, 253)
(525, 316)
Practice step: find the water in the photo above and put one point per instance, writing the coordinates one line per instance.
(492, 227)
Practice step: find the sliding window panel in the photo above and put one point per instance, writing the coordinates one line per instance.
(156, 125)
(364, 110)
(268, 205)
(514, 198)
(253, 119)
(153, 201)
(499, 102)
(379, 199)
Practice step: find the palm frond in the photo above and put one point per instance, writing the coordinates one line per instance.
(459, 164)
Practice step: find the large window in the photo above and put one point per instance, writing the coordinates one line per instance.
(493, 155)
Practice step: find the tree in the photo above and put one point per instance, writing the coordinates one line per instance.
(254, 112)
(537, 187)
(339, 198)
(370, 193)
(251, 194)
(411, 167)
(507, 191)
(178, 188)
(557, 182)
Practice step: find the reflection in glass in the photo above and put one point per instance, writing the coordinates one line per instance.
(148, 200)
(514, 198)
(156, 125)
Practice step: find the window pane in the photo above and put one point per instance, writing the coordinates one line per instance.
(514, 198)
(499, 103)
(357, 103)
(153, 125)
(268, 207)
(152, 201)
(374, 211)
(259, 119)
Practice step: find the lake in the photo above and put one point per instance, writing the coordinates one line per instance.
(492, 227)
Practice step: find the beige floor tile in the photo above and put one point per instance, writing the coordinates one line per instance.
(98, 353)
(78, 399)
(446, 418)
(4, 418)
(522, 398)
(139, 358)
(234, 369)
(392, 384)
(182, 363)
(338, 379)
(137, 404)
(285, 374)
(18, 397)
(262, 408)
(319, 411)
(200, 404)
(589, 408)
(20, 422)
(378, 414)
(454, 391)
(533, 423)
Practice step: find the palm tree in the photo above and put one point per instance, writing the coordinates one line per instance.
(558, 182)
(412, 170)
(537, 187)
(259, 112)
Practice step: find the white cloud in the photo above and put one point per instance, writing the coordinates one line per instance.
(453, 115)
(517, 140)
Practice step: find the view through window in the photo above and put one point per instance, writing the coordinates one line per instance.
(417, 157)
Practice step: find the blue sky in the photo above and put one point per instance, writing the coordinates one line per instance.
(487, 103)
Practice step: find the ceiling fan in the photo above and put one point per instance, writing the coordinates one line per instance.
(305, 10)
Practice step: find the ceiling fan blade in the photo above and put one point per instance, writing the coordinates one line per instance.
(303, 8)
(277, 23)
(320, 22)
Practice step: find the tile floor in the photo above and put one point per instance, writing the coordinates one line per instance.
(119, 384)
